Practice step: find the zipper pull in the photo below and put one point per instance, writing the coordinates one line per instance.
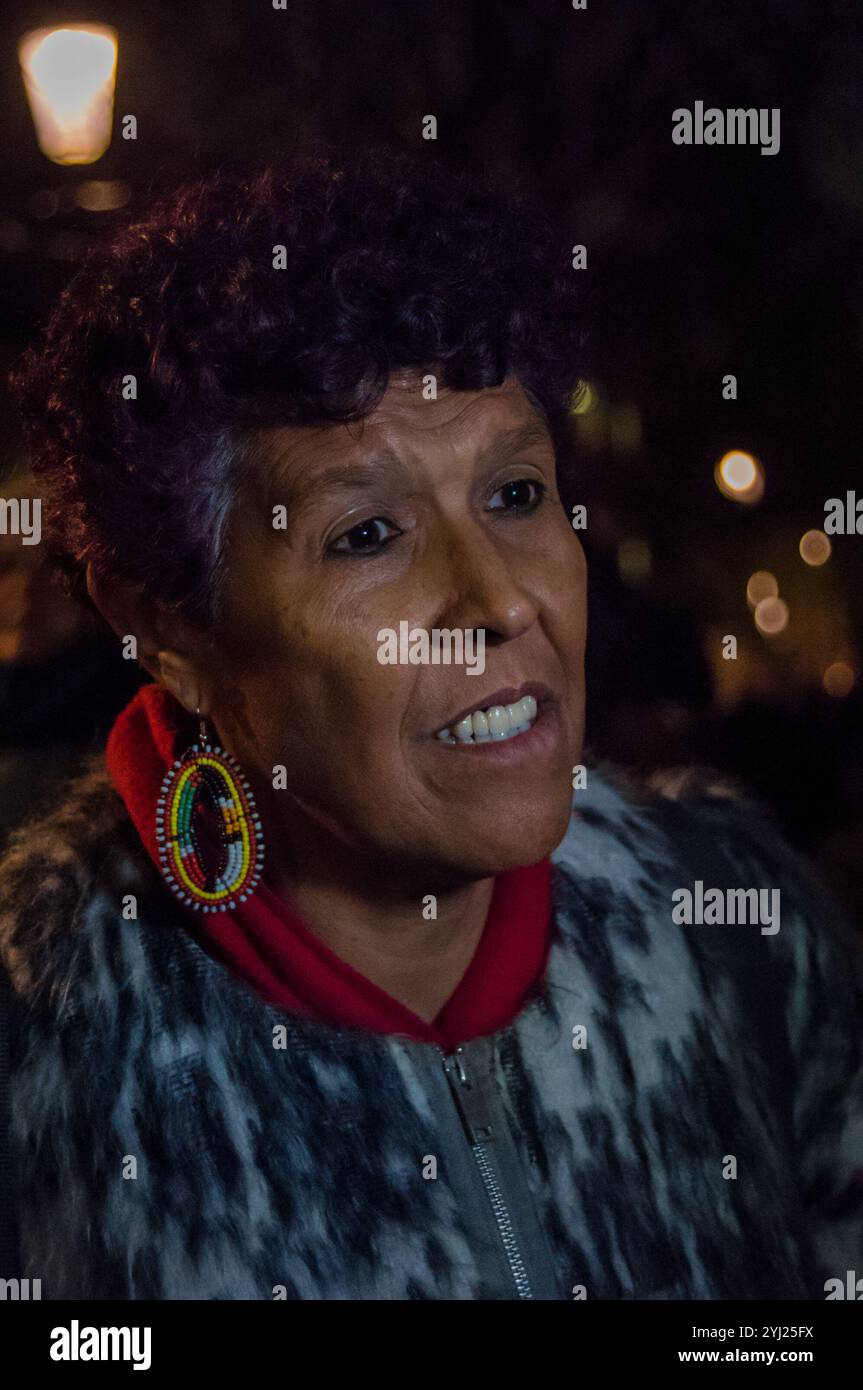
(470, 1101)
(456, 1062)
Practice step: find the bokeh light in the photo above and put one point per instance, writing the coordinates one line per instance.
(583, 399)
(839, 679)
(815, 548)
(634, 560)
(102, 195)
(740, 477)
(761, 584)
(771, 616)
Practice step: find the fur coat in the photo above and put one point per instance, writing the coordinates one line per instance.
(676, 1113)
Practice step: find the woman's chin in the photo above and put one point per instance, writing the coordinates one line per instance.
(521, 837)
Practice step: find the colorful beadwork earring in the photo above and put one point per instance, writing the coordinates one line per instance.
(207, 774)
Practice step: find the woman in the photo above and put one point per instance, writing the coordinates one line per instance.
(337, 976)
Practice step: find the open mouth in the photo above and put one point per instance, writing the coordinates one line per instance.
(498, 720)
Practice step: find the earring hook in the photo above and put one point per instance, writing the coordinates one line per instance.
(202, 725)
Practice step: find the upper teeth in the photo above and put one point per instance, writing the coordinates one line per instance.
(498, 721)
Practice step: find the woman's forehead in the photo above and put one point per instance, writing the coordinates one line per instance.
(404, 421)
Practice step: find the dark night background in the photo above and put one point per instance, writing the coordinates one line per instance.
(702, 261)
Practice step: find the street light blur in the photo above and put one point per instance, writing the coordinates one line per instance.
(69, 77)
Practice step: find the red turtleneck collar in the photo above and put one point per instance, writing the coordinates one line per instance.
(267, 943)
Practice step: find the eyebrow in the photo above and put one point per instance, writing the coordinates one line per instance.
(511, 441)
(337, 479)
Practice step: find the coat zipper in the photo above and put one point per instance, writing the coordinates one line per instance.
(460, 1085)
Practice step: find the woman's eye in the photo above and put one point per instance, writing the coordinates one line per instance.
(363, 539)
(517, 496)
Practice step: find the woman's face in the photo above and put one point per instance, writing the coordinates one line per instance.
(409, 516)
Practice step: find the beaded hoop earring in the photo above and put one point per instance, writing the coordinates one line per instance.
(207, 771)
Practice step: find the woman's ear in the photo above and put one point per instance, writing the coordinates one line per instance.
(127, 611)
(168, 656)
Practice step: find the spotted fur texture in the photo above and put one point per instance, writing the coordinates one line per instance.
(306, 1171)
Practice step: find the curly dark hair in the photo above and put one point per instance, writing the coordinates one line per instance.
(390, 262)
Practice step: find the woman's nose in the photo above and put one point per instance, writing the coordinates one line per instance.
(486, 584)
